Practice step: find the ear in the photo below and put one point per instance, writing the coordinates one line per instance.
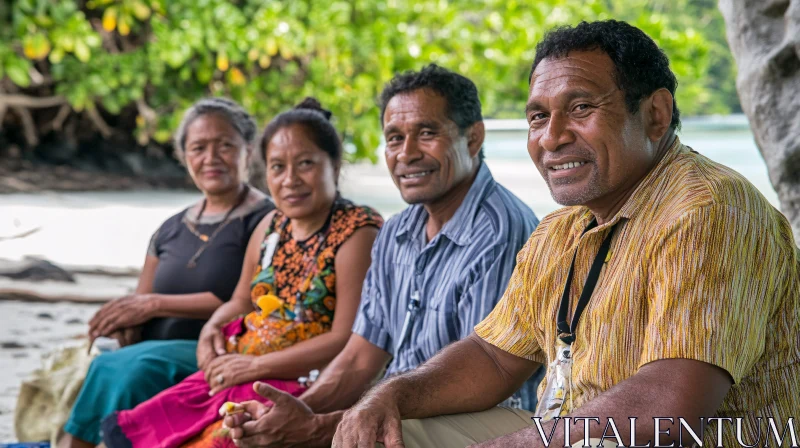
(657, 111)
(475, 136)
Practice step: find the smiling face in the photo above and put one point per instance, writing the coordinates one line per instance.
(426, 154)
(216, 154)
(586, 144)
(301, 177)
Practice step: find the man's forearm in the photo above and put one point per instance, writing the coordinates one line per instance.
(674, 388)
(351, 373)
(464, 377)
(338, 390)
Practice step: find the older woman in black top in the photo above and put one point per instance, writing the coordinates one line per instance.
(192, 266)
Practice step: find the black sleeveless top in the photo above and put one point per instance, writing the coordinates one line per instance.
(217, 269)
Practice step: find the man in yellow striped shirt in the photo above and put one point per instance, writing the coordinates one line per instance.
(666, 288)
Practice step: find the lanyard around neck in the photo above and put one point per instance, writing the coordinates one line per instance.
(566, 332)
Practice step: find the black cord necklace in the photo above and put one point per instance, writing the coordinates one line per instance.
(206, 239)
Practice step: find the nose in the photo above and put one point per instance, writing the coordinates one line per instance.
(556, 133)
(212, 154)
(290, 177)
(409, 152)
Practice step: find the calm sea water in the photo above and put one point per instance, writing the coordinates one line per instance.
(113, 228)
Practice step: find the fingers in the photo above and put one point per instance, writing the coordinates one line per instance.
(205, 354)
(219, 343)
(111, 322)
(276, 396)
(254, 408)
(393, 434)
(234, 421)
(236, 433)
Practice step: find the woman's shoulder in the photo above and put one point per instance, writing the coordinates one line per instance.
(173, 221)
(351, 216)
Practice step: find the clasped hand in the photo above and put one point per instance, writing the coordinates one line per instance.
(287, 422)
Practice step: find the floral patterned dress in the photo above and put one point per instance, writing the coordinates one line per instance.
(301, 274)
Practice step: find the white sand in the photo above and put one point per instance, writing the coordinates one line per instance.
(37, 327)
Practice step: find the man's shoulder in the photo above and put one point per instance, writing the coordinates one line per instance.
(694, 181)
(504, 213)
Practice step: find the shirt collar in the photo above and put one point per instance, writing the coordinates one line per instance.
(457, 229)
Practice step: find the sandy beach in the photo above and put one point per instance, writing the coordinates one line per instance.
(29, 330)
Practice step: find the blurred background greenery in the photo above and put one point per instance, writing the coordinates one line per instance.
(125, 70)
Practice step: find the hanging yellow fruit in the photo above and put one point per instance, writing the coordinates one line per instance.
(222, 61)
(140, 10)
(272, 47)
(110, 19)
(123, 27)
(237, 77)
(252, 54)
(264, 61)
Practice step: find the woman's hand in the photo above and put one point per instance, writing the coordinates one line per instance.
(210, 345)
(231, 370)
(129, 311)
(127, 336)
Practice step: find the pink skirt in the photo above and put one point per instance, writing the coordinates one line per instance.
(181, 412)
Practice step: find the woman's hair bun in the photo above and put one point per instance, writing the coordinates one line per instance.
(311, 103)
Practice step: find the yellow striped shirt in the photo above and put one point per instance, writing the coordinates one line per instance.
(701, 267)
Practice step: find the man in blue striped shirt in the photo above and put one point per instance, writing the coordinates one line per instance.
(438, 268)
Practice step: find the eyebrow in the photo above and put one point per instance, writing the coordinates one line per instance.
(422, 124)
(571, 95)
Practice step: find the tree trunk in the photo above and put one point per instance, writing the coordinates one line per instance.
(764, 36)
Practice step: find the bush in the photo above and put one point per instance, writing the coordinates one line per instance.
(127, 69)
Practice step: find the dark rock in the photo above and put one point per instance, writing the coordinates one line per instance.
(45, 316)
(764, 36)
(74, 321)
(11, 345)
(34, 269)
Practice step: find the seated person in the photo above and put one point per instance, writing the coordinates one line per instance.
(192, 266)
(306, 261)
(668, 286)
(438, 267)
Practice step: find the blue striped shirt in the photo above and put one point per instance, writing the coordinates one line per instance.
(458, 276)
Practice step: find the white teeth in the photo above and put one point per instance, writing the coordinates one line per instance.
(568, 165)
(415, 175)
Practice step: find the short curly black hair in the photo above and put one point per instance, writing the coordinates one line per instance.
(463, 103)
(641, 67)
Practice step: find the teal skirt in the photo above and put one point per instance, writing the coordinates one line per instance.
(124, 378)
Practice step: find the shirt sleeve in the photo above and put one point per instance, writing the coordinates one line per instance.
(152, 247)
(372, 313)
(509, 325)
(715, 283)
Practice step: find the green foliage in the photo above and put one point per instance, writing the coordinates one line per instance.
(162, 55)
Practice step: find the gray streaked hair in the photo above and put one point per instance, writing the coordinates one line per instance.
(242, 121)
